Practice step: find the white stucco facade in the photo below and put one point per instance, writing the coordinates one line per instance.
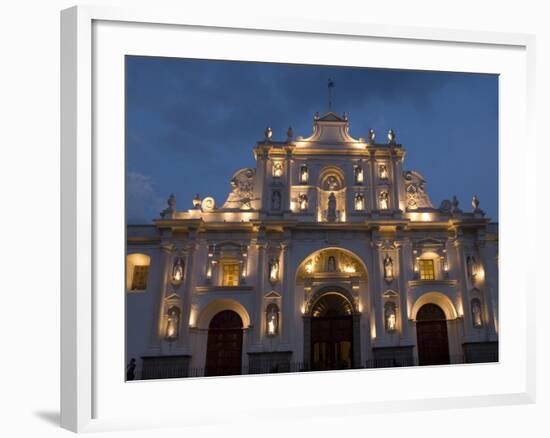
(324, 215)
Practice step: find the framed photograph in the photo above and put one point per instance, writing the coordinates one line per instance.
(312, 218)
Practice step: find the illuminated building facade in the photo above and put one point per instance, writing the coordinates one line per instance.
(326, 255)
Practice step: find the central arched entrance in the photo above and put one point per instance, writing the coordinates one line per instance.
(331, 333)
(225, 344)
(432, 338)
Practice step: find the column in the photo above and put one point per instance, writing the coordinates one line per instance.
(405, 272)
(166, 251)
(490, 290)
(187, 289)
(256, 333)
(287, 299)
(462, 276)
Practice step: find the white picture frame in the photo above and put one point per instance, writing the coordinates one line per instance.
(83, 181)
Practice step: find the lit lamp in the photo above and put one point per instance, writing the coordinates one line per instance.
(304, 174)
(272, 320)
(172, 324)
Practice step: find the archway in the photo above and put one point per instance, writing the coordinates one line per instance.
(431, 335)
(331, 333)
(225, 344)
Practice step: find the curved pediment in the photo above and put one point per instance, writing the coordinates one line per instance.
(330, 131)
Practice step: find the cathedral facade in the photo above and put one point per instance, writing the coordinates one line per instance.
(326, 255)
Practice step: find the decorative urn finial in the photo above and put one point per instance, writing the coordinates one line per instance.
(171, 201)
(391, 137)
(372, 135)
(454, 203)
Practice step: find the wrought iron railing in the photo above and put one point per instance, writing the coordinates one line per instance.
(166, 371)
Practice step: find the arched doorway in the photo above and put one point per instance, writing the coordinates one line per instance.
(431, 335)
(331, 333)
(225, 344)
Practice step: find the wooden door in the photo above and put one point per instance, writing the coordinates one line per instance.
(331, 343)
(224, 345)
(431, 334)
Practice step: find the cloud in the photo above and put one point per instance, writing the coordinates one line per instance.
(142, 201)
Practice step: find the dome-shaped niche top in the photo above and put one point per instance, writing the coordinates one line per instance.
(332, 262)
(329, 131)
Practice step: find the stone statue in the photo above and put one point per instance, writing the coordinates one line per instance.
(131, 370)
(304, 174)
(273, 270)
(372, 135)
(177, 271)
(272, 323)
(384, 200)
(390, 318)
(331, 265)
(454, 204)
(276, 201)
(391, 137)
(359, 174)
(388, 268)
(475, 203)
(303, 201)
(268, 133)
(167, 212)
(331, 210)
(383, 171)
(471, 266)
(289, 134)
(359, 202)
(476, 314)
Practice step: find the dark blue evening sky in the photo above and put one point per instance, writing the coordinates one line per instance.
(192, 123)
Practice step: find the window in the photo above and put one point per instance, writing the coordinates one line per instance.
(230, 274)
(139, 278)
(427, 271)
(137, 270)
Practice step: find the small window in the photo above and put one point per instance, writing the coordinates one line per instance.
(427, 271)
(139, 278)
(137, 270)
(230, 274)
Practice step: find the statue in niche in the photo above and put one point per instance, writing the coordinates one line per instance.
(383, 171)
(384, 200)
(331, 211)
(358, 174)
(303, 201)
(177, 271)
(273, 270)
(332, 183)
(272, 320)
(277, 169)
(131, 370)
(304, 174)
(471, 266)
(390, 317)
(359, 202)
(476, 313)
(276, 201)
(331, 264)
(388, 268)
